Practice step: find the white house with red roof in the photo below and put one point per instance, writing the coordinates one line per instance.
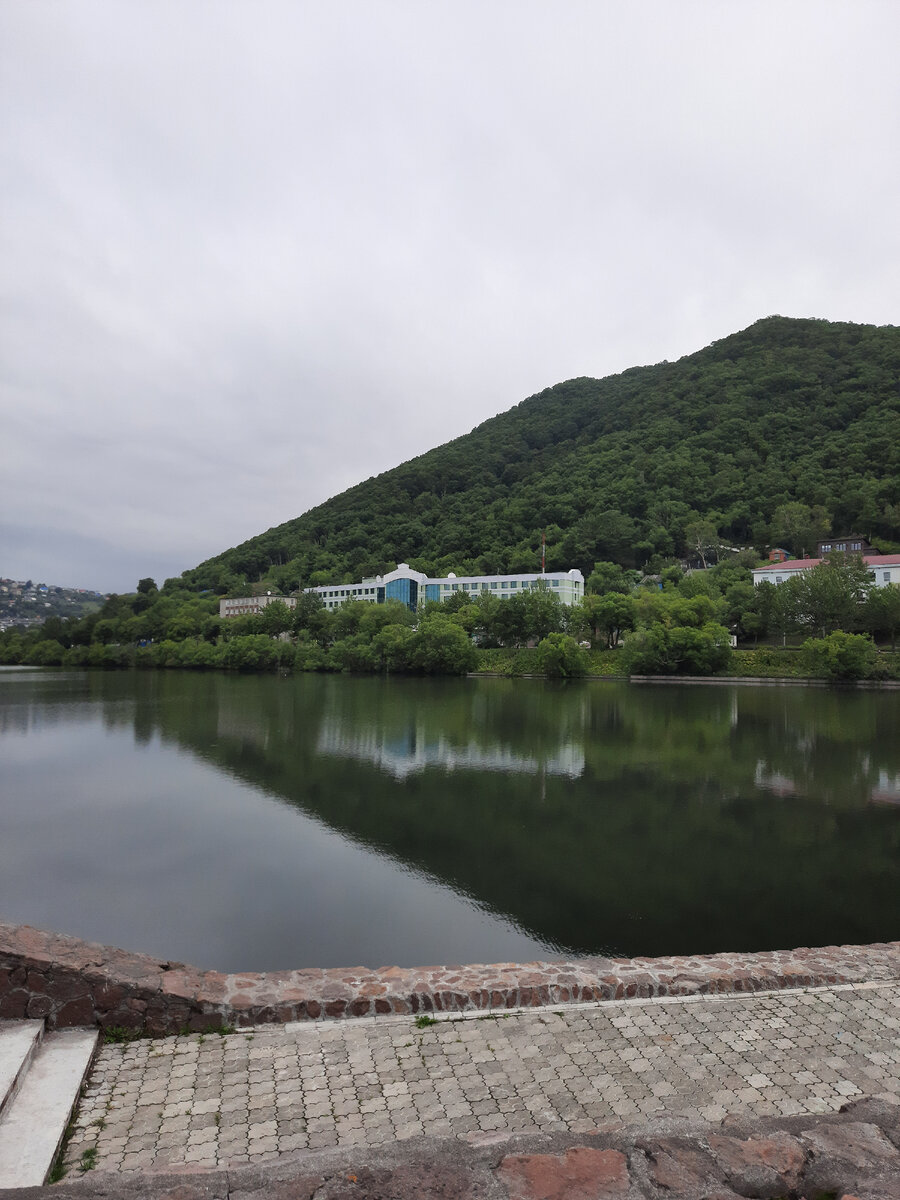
(884, 569)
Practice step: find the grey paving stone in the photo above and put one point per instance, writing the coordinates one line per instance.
(231, 1099)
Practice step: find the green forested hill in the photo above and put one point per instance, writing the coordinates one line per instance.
(786, 413)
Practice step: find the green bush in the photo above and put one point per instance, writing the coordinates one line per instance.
(677, 650)
(767, 663)
(13, 649)
(309, 656)
(441, 647)
(254, 652)
(560, 656)
(839, 656)
(494, 659)
(605, 662)
(46, 654)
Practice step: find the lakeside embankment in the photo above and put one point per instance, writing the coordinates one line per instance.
(762, 665)
(71, 982)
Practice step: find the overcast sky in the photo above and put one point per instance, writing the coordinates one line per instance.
(252, 253)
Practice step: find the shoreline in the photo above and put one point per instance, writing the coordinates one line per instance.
(766, 680)
(719, 681)
(71, 982)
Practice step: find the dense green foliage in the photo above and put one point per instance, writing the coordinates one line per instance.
(675, 623)
(777, 434)
(560, 656)
(840, 656)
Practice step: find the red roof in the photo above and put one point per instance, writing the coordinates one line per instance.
(795, 564)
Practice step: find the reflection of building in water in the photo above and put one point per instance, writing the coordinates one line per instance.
(772, 781)
(887, 789)
(413, 750)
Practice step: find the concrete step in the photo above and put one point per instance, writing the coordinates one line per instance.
(19, 1041)
(33, 1125)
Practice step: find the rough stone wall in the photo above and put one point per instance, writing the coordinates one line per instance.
(71, 982)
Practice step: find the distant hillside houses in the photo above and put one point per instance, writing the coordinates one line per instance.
(884, 569)
(25, 604)
(414, 587)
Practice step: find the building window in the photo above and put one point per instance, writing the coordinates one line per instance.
(887, 577)
(556, 583)
(513, 583)
(778, 579)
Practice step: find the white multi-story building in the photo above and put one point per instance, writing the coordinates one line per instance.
(414, 587)
(884, 569)
(240, 606)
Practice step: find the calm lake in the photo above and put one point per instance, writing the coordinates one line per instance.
(262, 823)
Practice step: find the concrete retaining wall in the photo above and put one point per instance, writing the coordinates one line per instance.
(71, 982)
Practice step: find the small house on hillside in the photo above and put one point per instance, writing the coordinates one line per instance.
(850, 543)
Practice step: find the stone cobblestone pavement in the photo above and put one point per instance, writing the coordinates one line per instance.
(249, 1097)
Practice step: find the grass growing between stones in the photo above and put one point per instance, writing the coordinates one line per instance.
(58, 1168)
(119, 1035)
(88, 1160)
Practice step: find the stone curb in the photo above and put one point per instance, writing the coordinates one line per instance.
(853, 1154)
(71, 982)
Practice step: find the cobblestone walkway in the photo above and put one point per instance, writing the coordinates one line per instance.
(251, 1096)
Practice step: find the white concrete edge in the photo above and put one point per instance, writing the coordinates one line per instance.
(570, 1006)
(346, 1025)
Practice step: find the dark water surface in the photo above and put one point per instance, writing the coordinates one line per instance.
(261, 823)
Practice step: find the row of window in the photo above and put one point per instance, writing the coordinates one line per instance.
(483, 587)
(447, 587)
(826, 546)
(886, 576)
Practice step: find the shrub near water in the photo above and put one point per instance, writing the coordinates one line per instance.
(839, 656)
(677, 650)
(254, 652)
(560, 656)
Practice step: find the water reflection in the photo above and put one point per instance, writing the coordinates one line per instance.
(415, 749)
(887, 789)
(587, 818)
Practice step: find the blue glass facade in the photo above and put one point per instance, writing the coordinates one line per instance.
(405, 590)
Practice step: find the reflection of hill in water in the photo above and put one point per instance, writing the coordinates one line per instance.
(658, 830)
(401, 756)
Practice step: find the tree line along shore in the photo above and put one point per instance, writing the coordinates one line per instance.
(829, 623)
